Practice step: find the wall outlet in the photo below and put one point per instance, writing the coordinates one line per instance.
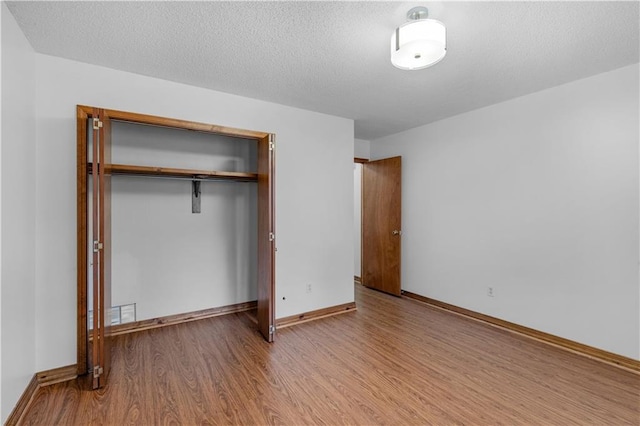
(308, 288)
(490, 291)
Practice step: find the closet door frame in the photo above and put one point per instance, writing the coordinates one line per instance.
(266, 214)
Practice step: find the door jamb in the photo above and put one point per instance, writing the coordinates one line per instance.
(360, 160)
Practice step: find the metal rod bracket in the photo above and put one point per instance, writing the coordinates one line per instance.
(195, 196)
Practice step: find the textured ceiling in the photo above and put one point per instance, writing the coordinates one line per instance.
(333, 57)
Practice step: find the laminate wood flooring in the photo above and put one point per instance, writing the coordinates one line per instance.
(393, 361)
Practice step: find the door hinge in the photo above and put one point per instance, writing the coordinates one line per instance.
(97, 124)
(97, 371)
(97, 245)
(272, 329)
(272, 146)
(272, 236)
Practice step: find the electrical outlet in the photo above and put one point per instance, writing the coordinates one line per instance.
(309, 288)
(490, 291)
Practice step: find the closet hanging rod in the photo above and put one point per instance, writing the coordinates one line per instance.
(192, 179)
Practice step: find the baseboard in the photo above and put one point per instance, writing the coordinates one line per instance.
(57, 375)
(579, 348)
(357, 279)
(181, 318)
(39, 380)
(314, 315)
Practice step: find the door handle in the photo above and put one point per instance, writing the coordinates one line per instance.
(396, 232)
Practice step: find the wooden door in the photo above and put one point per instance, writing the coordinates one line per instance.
(101, 202)
(266, 237)
(381, 224)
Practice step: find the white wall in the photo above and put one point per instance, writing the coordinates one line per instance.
(166, 259)
(357, 219)
(314, 217)
(361, 148)
(17, 228)
(536, 197)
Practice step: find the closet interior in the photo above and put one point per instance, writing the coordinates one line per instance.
(175, 219)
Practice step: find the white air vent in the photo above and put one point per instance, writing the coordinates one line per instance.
(119, 315)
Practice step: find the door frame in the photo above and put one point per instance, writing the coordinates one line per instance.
(359, 160)
(266, 213)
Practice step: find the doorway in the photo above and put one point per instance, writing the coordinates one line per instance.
(96, 170)
(357, 221)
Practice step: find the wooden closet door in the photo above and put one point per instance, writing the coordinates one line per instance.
(101, 200)
(266, 237)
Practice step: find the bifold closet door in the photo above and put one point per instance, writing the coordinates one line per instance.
(266, 237)
(101, 223)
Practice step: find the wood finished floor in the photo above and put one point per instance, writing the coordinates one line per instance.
(394, 361)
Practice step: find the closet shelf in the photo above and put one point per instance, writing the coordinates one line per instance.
(126, 169)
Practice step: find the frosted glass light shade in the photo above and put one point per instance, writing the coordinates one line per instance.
(418, 44)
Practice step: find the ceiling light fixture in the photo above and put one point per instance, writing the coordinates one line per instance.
(419, 42)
